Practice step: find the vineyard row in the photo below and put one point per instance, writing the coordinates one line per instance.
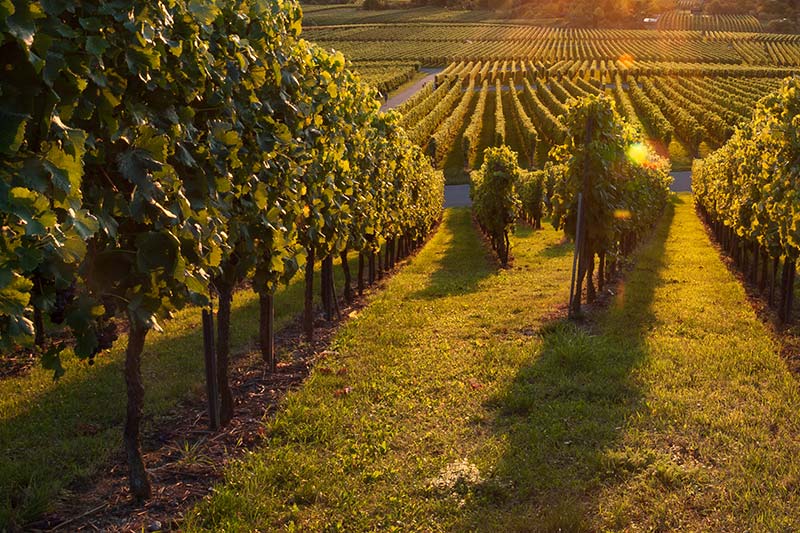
(529, 110)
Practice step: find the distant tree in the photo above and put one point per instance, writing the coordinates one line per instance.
(714, 8)
(374, 4)
(500, 5)
(782, 25)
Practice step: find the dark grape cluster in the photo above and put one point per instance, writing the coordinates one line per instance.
(110, 305)
(106, 336)
(64, 297)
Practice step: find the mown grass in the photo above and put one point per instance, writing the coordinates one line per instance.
(468, 410)
(422, 360)
(673, 412)
(55, 434)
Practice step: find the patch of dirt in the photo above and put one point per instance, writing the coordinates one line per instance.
(18, 363)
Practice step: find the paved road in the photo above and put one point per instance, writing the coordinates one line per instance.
(404, 95)
(458, 195)
(683, 181)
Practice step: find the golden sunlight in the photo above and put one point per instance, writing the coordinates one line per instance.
(638, 153)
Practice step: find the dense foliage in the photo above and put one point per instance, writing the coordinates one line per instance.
(531, 190)
(747, 190)
(494, 198)
(153, 150)
(624, 186)
(446, 134)
(471, 138)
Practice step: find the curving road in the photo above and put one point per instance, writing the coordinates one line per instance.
(407, 93)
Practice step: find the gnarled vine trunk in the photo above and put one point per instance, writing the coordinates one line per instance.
(326, 286)
(138, 480)
(348, 282)
(360, 273)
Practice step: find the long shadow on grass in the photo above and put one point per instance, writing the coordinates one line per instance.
(563, 414)
(462, 264)
(556, 250)
(71, 431)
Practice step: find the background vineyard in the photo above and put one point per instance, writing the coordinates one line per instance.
(472, 105)
(439, 44)
(686, 83)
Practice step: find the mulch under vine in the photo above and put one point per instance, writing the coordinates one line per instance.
(18, 363)
(185, 459)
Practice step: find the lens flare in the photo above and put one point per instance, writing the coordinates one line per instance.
(638, 153)
(622, 214)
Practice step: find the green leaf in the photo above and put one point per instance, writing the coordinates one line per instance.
(215, 256)
(21, 193)
(135, 166)
(156, 251)
(96, 45)
(282, 133)
(51, 360)
(73, 249)
(21, 24)
(85, 224)
(15, 295)
(85, 342)
(333, 91)
(260, 196)
(204, 11)
(12, 131)
(195, 285)
(6, 8)
(141, 59)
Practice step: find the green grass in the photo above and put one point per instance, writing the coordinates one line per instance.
(469, 411)
(54, 434)
(446, 335)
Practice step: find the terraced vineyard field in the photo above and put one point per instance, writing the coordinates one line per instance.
(437, 43)
(686, 89)
(452, 117)
(685, 20)
(387, 75)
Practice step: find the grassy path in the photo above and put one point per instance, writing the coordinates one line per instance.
(421, 361)
(452, 404)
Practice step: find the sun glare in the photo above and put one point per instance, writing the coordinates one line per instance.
(638, 153)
